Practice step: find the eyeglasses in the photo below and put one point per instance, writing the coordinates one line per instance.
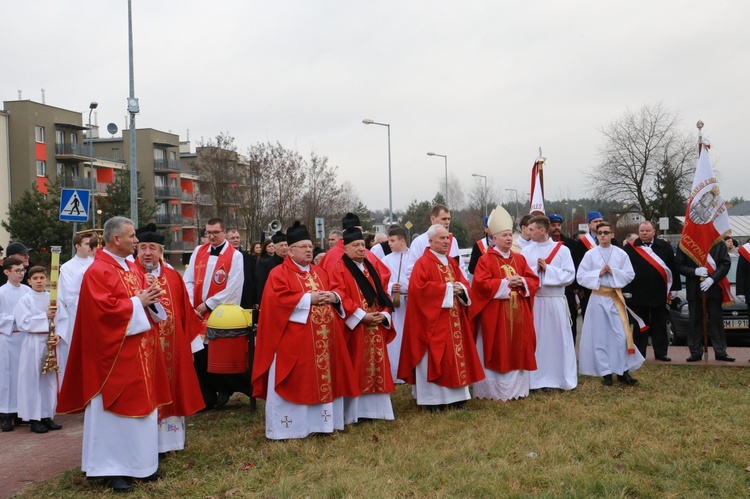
(213, 232)
(604, 233)
(19, 271)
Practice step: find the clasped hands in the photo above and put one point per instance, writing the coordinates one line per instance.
(323, 297)
(515, 281)
(373, 318)
(605, 270)
(150, 295)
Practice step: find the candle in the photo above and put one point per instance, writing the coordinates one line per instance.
(54, 275)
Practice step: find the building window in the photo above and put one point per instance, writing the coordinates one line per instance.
(115, 153)
(73, 139)
(59, 137)
(39, 131)
(159, 154)
(41, 168)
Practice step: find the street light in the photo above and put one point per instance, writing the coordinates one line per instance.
(133, 109)
(92, 106)
(484, 197)
(390, 188)
(516, 191)
(446, 173)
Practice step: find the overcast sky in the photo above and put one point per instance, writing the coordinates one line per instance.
(484, 82)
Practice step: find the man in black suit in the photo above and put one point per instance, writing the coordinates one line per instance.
(653, 262)
(695, 287)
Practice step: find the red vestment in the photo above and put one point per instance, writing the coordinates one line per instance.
(445, 334)
(366, 344)
(335, 254)
(176, 333)
(507, 325)
(312, 363)
(128, 371)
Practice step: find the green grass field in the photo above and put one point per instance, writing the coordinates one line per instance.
(681, 432)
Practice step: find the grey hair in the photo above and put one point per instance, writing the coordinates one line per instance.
(114, 226)
(339, 233)
(432, 231)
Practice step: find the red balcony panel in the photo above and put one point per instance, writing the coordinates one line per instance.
(41, 151)
(41, 184)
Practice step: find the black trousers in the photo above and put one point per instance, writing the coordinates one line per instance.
(715, 327)
(656, 318)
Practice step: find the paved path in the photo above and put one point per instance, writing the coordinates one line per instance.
(28, 458)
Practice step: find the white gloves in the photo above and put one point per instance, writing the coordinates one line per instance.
(701, 272)
(741, 298)
(706, 284)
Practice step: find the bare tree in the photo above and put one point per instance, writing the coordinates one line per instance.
(645, 156)
(217, 164)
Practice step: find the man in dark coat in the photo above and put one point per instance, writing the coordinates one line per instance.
(266, 266)
(710, 285)
(656, 280)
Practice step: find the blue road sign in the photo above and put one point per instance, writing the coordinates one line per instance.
(74, 205)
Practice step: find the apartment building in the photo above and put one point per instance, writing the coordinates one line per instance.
(4, 175)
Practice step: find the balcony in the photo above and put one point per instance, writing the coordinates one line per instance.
(72, 150)
(167, 192)
(164, 164)
(188, 197)
(168, 219)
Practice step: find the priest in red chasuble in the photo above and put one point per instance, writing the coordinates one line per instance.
(301, 367)
(369, 329)
(116, 371)
(438, 354)
(179, 337)
(503, 290)
(336, 252)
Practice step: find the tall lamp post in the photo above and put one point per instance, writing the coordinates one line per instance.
(484, 197)
(446, 173)
(516, 191)
(92, 183)
(133, 109)
(390, 184)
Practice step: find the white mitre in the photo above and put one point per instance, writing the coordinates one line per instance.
(499, 220)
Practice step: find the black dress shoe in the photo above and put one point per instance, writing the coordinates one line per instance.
(627, 379)
(51, 425)
(607, 380)
(694, 358)
(663, 358)
(6, 422)
(222, 398)
(119, 484)
(38, 427)
(153, 477)
(725, 358)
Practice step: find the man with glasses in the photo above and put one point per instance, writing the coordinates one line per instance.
(606, 338)
(214, 276)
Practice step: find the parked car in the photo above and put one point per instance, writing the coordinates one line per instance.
(736, 323)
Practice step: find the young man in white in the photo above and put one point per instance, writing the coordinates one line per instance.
(11, 339)
(555, 351)
(606, 339)
(397, 286)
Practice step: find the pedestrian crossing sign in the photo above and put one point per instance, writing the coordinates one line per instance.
(74, 205)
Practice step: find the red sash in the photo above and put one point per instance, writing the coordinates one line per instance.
(745, 251)
(657, 263)
(483, 247)
(221, 272)
(587, 242)
(552, 254)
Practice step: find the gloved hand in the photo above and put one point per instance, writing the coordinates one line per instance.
(706, 284)
(672, 295)
(701, 272)
(741, 298)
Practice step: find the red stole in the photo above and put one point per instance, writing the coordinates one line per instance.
(657, 263)
(745, 251)
(727, 298)
(586, 240)
(483, 246)
(221, 271)
(552, 254)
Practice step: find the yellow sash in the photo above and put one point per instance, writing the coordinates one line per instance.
(616, 295)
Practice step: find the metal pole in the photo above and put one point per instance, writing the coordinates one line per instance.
(446, 179)
(390, 184)
(92, 172)
(133, 109)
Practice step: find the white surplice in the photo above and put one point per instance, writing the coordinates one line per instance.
(603, 347)
(68, 289)
(37, 392)
(555, 351)
(396, 262)
(11, 340)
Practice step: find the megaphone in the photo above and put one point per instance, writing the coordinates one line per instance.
(274, 226)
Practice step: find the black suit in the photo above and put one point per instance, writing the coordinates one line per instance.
(648, 292)
(261, 273)
(743, 277)
(687, 267)
(476, 252)
(248, 287)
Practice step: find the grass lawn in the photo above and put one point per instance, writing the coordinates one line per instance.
(681, 432)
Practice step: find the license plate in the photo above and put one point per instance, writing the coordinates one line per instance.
(736, 324)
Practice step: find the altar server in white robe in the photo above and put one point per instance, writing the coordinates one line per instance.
(607, 346)
(396, 262)
(555, 351)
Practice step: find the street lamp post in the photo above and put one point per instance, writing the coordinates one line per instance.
(390, 184)
(133, 109)
(516, 191)
(446, 173)
(92, 182)
(484, 197)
